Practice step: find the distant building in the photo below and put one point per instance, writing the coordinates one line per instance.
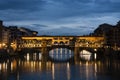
(111, 34)
(28, 32)
(10, 36)
(1, 27)
(17, 32)
(5, 35)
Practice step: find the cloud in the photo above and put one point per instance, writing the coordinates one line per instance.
(39, 25)
(55, 9)
(62, 30)
(65, 31)
(51, 15)
(20, 4)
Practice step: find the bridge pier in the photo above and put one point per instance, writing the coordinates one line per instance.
(76, 51)
(76, 54)
(44, 50)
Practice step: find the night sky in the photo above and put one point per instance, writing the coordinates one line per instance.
(60, 17)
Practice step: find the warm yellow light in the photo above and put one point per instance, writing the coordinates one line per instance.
(95, 49)
(0, 67)
(0, 45)
(95, 55)
(3, 44)
(28, 57)
(12, 43)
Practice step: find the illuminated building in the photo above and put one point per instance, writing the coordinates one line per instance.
(11, 35)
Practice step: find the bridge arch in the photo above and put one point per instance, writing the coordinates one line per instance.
(60, 46)
(66, 42)
(62, 43)
(56, 43)
(92, 50)
(61, 54)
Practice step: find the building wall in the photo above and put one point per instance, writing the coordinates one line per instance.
(5, 36)
(1, 27)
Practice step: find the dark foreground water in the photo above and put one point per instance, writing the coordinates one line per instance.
(32, 66)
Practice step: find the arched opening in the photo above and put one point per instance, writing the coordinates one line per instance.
(61, 54)
(66, 43)
(85, 55)
(55, 43)
(62, 43)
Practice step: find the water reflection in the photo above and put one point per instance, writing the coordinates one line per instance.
(61, 54)
(28, 56)
(19, 69)
(33, 56)
(85, 55)
(35, 66)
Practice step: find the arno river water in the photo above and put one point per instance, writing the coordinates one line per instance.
(61, 65)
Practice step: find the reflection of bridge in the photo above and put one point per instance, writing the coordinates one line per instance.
(50, 42)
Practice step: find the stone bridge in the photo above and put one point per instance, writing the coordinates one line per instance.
(75, 43)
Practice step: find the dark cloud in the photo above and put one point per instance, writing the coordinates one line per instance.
(55, 9)
(53, 14)
(39, 25)
(21, 4)
(65, 31)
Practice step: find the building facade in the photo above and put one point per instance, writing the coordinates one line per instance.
(1, 27)
(10, 36)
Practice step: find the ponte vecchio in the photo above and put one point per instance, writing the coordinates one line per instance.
(73, 42)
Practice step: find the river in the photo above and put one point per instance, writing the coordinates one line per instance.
(61, 65)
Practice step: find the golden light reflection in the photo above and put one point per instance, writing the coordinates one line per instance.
(0, 45)
(4, 64)
(87, 70)
(40, 65)
(99, 63)
(28, 57)
(53, 71)
(32, 66)
(11, 66)
(80, 63)
(95, 70)
(49, 65)
(34, 63)
(87, 63)
(68, 71)
(34, 56)
(0, 67)
(40, 56)
(95, 67)
(95, 56)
